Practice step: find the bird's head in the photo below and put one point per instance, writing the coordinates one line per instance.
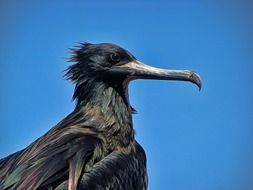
(114, 66)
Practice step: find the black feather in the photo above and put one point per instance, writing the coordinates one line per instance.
(94, 146)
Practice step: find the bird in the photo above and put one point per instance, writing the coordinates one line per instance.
(94, 147)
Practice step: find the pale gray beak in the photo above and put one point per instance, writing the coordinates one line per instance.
(137, 70)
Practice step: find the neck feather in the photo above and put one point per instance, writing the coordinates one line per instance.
(108, 105)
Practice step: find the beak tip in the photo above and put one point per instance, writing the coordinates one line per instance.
(199, 84)
(197, 80)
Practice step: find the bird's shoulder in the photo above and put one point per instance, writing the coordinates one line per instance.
(69, 144)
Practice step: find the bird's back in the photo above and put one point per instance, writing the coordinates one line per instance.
(119, 170)
(73, 150)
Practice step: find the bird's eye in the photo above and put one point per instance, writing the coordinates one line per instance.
(115, 58)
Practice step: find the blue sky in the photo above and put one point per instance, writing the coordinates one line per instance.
(193, 140)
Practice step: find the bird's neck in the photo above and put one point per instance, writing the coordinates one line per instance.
(109, 106)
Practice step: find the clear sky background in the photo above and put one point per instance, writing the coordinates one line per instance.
(193, 140)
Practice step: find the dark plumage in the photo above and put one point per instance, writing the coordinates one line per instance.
(94, 146)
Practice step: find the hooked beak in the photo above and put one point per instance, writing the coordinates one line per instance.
(138, 70)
